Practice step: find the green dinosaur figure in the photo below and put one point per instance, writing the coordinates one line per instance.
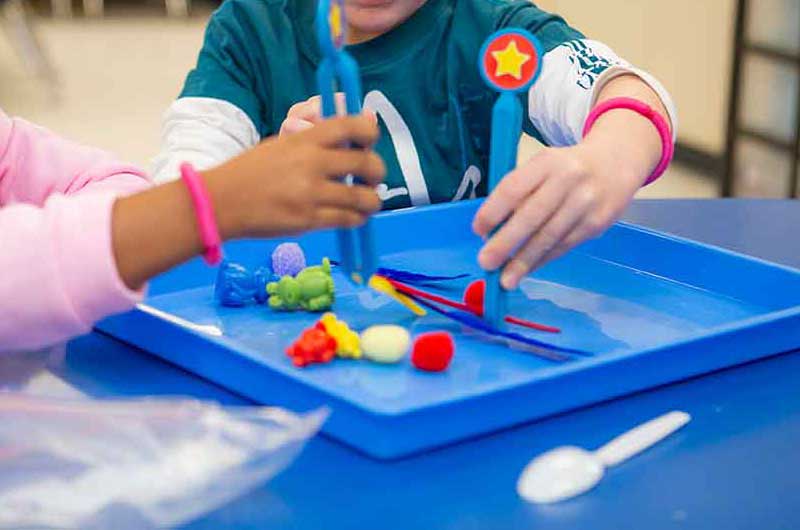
(311, 290)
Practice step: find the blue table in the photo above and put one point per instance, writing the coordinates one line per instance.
(735, 466)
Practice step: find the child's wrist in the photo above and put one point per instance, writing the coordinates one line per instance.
(601, 158)
(229, 215)
(628, 141)
(644, 128)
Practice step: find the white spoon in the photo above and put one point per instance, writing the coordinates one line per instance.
(566, 472)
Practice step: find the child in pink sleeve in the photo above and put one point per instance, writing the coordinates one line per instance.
(60, 276)
(80, 233)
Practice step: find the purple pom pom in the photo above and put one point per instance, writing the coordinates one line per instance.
(288, 259)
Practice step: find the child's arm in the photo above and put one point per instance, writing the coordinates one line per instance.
(81, 257)
(35, 164)
(574, 75)
(283, 186)
(58, 272)
(565, 195)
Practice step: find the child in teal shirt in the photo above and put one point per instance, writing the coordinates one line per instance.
(255, 76)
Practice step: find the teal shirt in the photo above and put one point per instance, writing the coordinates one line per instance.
(261, 56)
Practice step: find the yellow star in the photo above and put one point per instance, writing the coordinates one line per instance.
(335, 21)
(510, 61)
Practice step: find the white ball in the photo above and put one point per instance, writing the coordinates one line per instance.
(385, 344)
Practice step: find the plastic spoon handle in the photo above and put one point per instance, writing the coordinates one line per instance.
(640, 438)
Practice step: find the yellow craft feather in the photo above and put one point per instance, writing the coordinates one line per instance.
(383, 286)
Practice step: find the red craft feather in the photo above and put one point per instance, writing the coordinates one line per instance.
(474, 296)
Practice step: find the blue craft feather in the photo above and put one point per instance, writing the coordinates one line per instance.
(474, 322)
(412, 278)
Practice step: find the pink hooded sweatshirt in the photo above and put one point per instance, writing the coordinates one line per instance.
(57, 270)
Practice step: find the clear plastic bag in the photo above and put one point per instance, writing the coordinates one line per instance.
(141, 464)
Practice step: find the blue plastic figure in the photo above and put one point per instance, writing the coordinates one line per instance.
(236, 286)
(339, 70)
(510, 61)
(262, 276)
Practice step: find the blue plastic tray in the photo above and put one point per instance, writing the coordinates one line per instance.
(654, 308)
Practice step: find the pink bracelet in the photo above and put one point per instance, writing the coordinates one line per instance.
(667, 146)
(204, 209)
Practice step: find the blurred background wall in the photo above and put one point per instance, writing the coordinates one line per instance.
(691, 46)
(120, 63)
(687, 44)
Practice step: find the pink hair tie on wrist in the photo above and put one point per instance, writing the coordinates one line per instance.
(667, 145)
(204, 209)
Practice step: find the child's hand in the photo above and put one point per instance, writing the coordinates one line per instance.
(562, 197)
(281, 187)
(306, 114)
(558, 199)
(291, 184)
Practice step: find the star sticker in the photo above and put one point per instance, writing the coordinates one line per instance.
(510, 61)
(335, 21)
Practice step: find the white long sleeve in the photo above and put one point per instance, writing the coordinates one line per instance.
(572, 77)
(203, 131)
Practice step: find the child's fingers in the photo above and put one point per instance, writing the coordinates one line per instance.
(311, 109)
(358, 130)
(591, 226)
(306, 114)
(360, 199)
(366, 165)
(294, 125)
(306, 110)
(509, 193)
(341, 108)
(369, 113)
(574, 238)
(552, 234)
(532, 215)
(341, 103)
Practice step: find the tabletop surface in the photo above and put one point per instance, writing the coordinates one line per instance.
(734, 466)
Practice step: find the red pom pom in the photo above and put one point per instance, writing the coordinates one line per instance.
(433, 351)
(474, 296)
(313, 346)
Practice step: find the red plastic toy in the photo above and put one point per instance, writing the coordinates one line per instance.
(313, 346)
(433, 351)
(474, 296)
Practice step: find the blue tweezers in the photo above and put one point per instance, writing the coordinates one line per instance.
(505, 135)
(339, 70)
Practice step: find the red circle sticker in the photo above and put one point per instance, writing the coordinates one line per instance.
(510, 60)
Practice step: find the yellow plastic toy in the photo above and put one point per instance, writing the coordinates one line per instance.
(348, 343)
